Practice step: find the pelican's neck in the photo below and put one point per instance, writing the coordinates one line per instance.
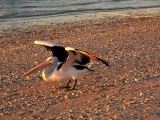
(47, 73)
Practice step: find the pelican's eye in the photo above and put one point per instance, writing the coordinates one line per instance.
(50, 60)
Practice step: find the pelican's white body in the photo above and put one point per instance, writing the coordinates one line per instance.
(51, 74)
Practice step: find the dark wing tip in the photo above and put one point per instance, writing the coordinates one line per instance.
(95, 57)
(104, 62)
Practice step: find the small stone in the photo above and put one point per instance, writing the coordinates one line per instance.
(141, 94)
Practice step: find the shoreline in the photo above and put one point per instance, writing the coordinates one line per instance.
(25, 23)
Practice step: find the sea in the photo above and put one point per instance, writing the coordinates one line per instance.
(11, 10)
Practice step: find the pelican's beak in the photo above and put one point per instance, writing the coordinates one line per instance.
(39, 67)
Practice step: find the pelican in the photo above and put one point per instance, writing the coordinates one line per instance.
(66, 63)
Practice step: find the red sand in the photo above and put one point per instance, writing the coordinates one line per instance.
(129, 89)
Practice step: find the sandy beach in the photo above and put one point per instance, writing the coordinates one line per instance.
(128, 89)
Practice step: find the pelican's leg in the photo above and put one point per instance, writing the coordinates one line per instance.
(67, 86)
(74, 84)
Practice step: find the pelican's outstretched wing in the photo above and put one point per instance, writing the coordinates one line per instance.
(70, 55)
(45, 43)
(82, 57)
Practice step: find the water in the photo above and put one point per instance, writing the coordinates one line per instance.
(17, 9)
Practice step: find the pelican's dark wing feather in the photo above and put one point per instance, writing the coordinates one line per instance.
(81, 57)
(93, 57)
(57, 51)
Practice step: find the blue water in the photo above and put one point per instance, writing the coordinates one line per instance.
(11, 9)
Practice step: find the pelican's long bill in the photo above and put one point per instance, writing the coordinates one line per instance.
(39, 67)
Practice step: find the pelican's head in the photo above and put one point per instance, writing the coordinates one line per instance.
(50, 62)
